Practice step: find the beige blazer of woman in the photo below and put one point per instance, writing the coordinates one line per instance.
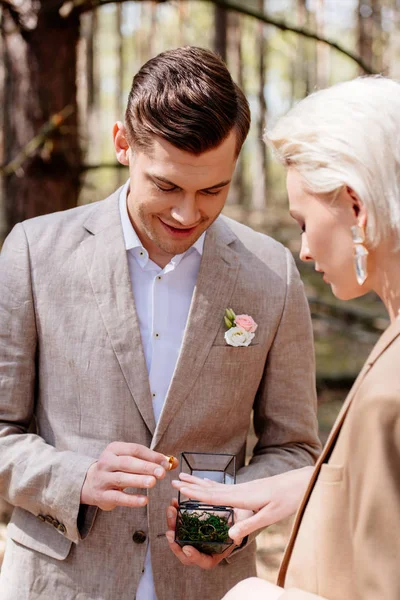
(345, 543)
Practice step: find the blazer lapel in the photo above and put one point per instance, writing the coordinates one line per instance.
(106, 262)
(212, 294)
(384, 341)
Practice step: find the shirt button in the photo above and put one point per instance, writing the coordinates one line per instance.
(159, 277)
(139, 537)
(156, 335)
(141, 253)
(154, 394)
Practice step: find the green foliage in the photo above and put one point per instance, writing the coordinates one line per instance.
(198, 529)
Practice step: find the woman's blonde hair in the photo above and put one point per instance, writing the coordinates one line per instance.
(349, 135)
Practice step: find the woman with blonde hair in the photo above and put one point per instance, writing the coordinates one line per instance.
(341, 147)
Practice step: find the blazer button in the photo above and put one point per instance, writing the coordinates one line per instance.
(139, 537)
(49, 519)
(41, 518)
(61, 528)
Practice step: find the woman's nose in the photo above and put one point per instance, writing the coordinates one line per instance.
(305, 254)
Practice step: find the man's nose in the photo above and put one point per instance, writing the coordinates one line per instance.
(305, 254)
(186, 213)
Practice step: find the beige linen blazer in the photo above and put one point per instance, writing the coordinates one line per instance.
(345, 543)
(71, 360)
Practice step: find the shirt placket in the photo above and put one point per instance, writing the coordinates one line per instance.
(159, 318)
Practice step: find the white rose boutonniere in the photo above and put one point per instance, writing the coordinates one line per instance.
(241, 329)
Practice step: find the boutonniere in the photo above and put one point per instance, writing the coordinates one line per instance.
(241, 328)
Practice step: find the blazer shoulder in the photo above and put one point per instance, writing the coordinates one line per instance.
(65, 227)
(382, 382)
(258, 243)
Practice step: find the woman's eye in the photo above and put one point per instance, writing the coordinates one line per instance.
(303, 229)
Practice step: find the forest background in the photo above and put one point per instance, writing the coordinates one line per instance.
(66, 67)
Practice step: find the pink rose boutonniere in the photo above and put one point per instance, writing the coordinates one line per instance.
(241, 329)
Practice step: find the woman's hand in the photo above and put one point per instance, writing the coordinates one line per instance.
(272, 499)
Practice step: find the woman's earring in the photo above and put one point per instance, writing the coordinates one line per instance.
(360, 254)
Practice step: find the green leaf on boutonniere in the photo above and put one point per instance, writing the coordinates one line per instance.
(228, 323)
(230, 314)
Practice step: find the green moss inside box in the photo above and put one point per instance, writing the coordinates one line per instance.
(204, 526)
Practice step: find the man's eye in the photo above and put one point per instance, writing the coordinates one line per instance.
(211, 193)
(303, 229)
(165, 189)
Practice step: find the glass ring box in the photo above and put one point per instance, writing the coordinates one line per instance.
(205, 526)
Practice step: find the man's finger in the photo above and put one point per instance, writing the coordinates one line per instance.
(176, 549)
(139, 451)
(114, 498)
(171, 518)
(204, 561)
(122, 480)
(128, 464)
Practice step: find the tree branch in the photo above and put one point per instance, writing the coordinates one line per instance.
(30, 148)
(299, 30)
(82, 6)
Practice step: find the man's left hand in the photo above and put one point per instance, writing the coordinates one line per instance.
(188, 555)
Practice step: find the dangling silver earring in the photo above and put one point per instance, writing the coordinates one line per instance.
(360, 254)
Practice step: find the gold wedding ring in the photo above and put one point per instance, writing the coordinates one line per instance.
(171, 460)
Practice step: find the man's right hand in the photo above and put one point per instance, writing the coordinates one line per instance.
(120, 466)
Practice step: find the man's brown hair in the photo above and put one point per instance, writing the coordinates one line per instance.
(187, 97)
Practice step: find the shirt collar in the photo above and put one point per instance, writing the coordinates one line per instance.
(131, 238)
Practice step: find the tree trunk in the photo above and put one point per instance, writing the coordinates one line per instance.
(260, 185)
(40, 63)
(91, 63)
(365, 31)
(323, 51)
(237, 192)
(221, 26)
(301, 82)
(183, 12)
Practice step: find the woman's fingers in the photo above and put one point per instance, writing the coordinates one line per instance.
(197, 480)
(265, 517)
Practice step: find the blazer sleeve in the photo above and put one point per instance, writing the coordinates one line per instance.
(285, 407)
(33, 474)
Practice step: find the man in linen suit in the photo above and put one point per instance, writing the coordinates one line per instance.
(112, 347)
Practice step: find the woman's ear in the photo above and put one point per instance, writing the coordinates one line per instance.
(358, 208)
(121, 143)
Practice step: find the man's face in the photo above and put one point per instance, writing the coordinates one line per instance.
(175, 195)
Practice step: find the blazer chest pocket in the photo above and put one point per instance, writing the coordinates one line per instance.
(241, 354)
(330, 473)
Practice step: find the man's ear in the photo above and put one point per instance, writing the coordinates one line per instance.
(121, 143)
(358, 208)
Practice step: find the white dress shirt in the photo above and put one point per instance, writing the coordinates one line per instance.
(162, 300)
